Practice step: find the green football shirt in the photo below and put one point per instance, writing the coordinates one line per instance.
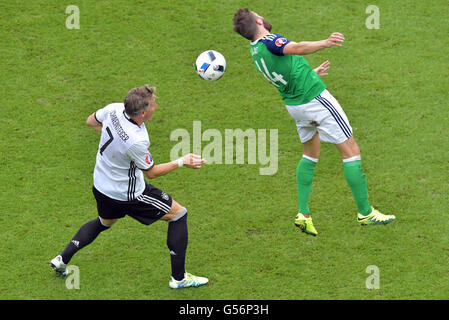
(296, 82)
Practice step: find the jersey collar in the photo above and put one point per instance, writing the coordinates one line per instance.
(129, 118)
(255, 41)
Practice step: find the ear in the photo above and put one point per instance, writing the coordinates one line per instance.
(259, 21)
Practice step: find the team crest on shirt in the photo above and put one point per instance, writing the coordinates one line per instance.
(280, 42)
(149, 158)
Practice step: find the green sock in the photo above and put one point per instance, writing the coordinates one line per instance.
(357, 182)
(304, 178)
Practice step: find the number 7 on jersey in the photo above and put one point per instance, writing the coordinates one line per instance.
(107, 143)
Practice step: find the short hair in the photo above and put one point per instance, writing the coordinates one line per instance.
(245, 23)
(138, 99)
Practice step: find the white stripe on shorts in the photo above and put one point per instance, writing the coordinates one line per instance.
(155, 202)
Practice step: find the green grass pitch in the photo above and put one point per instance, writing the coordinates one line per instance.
(392, 82)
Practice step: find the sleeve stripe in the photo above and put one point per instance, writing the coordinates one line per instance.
(95, 115)
(150, 167)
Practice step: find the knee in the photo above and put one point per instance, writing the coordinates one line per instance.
(355, 149)
(349, 148)
(107, 222)
(354, 146)
(176, 212)
(176, 208)
(181, 214)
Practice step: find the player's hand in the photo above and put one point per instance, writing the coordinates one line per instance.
(321, 70)
(335, 39)
(193, 161)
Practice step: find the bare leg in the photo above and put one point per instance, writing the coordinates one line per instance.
(312, 147)
(349, 148)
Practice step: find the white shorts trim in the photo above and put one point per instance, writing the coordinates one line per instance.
(323, 115)
(154, 202)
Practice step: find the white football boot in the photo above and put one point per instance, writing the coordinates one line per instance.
(59, 266)
(189, 281)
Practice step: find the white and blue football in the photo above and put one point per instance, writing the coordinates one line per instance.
(210, 65)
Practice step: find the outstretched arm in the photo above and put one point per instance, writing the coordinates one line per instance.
(308, 47)
(192, 161)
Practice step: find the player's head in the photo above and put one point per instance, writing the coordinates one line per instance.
(140, 103)
(248, 23)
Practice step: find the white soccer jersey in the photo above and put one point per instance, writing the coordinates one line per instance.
(122, 154)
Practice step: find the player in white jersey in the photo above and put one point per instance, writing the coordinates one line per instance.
(120, 188)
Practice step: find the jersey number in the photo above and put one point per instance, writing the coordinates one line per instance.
(273, 77)
(107, 143)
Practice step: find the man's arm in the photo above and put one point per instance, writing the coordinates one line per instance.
(93, 123)
(308, 47)
(192, 161)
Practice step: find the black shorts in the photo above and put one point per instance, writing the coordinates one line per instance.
(147, 208)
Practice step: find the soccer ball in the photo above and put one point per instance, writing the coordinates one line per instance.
(210, 65)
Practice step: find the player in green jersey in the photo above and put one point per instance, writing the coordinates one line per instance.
(318, 115)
